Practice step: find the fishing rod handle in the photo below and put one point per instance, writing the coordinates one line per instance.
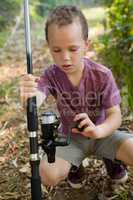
(32, 119)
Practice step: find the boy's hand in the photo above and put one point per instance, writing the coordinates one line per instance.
(89, 128)
(28, 88)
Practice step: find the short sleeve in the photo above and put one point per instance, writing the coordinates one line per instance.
(45, 84)
(110, 92)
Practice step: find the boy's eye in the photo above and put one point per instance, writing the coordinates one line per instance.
(56, 50)
(73, 49)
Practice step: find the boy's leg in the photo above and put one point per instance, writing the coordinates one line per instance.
(66, 158)
(111, 149)
(125, 152)
(52, 173)
(116, 170)
(76, 177)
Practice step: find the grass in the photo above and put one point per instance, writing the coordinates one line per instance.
(7, 89)
(8, 94)
(3, 37)
(122, 195)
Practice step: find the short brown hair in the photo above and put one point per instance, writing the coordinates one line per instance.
(64, 15)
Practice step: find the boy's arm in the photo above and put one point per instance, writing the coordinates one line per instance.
(112, 122)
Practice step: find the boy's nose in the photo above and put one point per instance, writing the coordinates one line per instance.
(66, 56)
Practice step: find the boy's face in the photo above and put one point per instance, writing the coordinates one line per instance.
(67, 46)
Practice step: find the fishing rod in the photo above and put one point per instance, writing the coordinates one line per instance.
(32, 118)
(49, 123)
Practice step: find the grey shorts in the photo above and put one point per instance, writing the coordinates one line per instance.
(82, 147)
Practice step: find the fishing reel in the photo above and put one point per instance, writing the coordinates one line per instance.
(50, 137)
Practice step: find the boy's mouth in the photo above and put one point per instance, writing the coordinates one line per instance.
(66, 66)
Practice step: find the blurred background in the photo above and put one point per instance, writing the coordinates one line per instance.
(111, 35)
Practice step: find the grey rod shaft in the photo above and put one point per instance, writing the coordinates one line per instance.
(28, 36)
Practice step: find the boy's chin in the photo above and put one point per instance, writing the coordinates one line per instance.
(69, 70)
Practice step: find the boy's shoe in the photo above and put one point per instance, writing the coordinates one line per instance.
(76, 177)
(116, 170)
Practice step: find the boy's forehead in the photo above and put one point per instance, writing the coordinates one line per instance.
(69, 31)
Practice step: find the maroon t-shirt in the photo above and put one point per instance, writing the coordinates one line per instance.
(96, 92)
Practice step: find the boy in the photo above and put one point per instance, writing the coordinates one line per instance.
(84, 91)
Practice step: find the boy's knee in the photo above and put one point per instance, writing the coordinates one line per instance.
(50, 175)
(125, 152)
(49, 178)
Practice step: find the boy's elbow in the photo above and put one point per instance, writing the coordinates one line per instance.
(120, 118)
(115, 113)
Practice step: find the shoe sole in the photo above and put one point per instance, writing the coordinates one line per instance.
(121, 180)
(76, 185)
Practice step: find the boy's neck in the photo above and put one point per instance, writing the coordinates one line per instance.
(75, 77)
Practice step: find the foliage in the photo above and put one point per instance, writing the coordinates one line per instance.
(105, 2)
(121, 22)
(8, 11)
(45, 7)
(116, 46)
(3, 36)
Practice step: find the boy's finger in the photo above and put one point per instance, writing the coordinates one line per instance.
(75, 130)
(80, 116)
(29, 77)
